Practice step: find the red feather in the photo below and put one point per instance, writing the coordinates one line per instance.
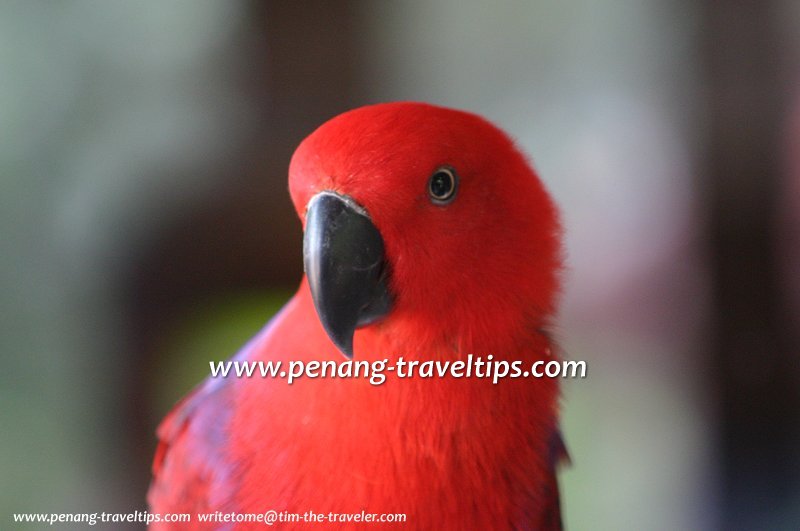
(477, 277)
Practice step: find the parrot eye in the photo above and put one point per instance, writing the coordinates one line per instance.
(442, 186)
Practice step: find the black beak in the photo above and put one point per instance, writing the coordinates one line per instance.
(344, 262)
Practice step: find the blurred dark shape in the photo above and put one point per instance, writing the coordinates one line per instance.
(789, 217)
(755, 367)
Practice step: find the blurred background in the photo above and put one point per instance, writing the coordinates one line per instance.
(146, 227)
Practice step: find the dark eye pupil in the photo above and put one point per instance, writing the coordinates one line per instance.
(442, 185)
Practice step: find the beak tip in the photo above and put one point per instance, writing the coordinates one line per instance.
(346, 347)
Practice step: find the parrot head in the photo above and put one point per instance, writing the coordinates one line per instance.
(425, 220)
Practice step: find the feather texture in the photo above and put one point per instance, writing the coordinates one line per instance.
(478, 276)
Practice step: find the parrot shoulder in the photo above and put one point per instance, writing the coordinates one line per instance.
(192, 469)
(551, 518)
(188, 462)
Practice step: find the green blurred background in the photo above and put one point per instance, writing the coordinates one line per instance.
(146, 227)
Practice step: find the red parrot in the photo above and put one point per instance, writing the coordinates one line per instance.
(427, 235)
